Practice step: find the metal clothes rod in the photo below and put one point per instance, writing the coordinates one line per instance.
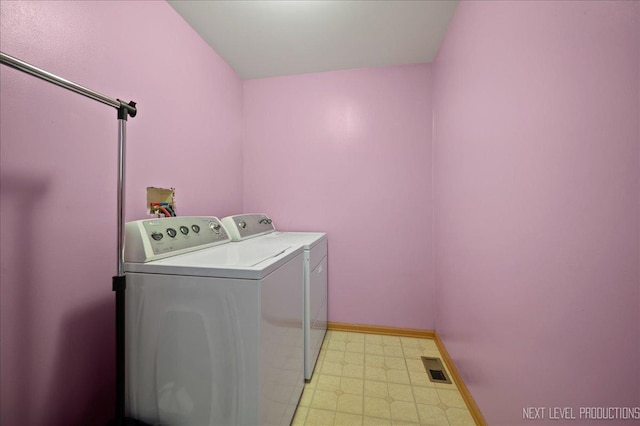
(124, 110)
(63, 82)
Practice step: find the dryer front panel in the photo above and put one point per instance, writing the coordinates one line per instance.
(282, 343)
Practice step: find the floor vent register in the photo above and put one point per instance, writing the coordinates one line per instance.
(435, 370)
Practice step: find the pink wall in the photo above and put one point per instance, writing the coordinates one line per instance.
(536, 154)
(537, 187)
(349, 153)
(58, 181)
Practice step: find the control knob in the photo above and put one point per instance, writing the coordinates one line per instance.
(215, 227)
(171, 232)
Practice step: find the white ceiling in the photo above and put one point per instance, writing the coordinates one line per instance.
(261, 38)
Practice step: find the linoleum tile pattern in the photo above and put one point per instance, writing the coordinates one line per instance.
(370, 379)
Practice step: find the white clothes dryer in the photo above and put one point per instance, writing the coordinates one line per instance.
(252, 227)
(214, 332)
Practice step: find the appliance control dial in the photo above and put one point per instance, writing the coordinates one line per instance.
(215, 227)
(242, 224)
(184, 230)
(157, 236)
(171, 232)
(195, 228)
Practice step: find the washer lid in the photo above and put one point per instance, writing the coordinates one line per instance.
(249, 260)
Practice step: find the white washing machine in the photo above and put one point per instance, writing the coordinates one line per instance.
(214, 330)
(252, 227)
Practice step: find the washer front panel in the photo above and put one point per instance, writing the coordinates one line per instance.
(212, 351)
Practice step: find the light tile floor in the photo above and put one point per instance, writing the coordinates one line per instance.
(370, 379)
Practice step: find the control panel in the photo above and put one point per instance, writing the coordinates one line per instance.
(153, 239)
(245, 226)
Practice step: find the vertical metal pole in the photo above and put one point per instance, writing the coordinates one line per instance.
(122, 140)
(120, 293)
(120, 281)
